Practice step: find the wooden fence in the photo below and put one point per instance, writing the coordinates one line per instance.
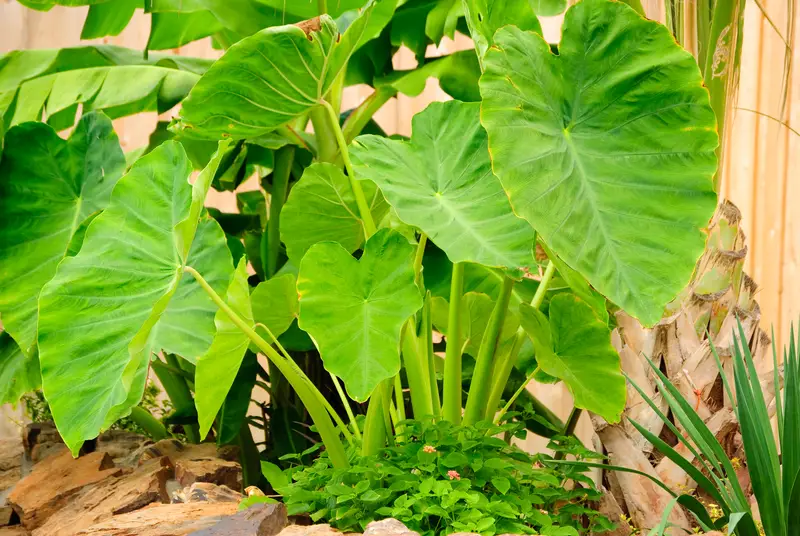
(761, 174)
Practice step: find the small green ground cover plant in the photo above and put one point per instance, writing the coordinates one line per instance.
(599, 151)
(445, 479)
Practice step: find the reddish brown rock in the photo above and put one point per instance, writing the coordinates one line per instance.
(54, 482)
(128, 492)
(163, 520)
(200, 463)
(258, 520)
(15, 530)
(41, 440)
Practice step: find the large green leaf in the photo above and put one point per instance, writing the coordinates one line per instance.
(118, 80)
(307, 10)
(109, 18)
(484, 17)
(173, 30)
(606, 149)
(125, 296)
(321, 207)
(275, 303)
(441, 181)
(458, 75)
(269, 78)
(242, 17)
(355, 309)
(233, 413)
(217, 368)
(19, 373)
(575, 346)
(48, 187)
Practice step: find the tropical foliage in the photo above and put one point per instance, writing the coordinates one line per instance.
(563, 181)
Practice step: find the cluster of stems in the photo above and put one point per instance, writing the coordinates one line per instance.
(385, 413)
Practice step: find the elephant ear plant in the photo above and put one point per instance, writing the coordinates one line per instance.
(579, 180)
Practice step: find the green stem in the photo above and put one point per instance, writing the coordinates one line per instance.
(322, 6)
(347, 408)
(284, 157)
(514, 397)
(417, 375)
(544, 284)
(482, 375)
(569, 428)
(427, 329)
(322, 400)
(374, 425)
(423, 240)
(721, 74)
(327, 149)
(154, 428)
(305, 389)
(358, 192)
(401, 405)
(177, 390)
(451, 395)
(502, 372)
(359, 117)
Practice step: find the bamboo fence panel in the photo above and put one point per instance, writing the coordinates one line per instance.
(760, 174)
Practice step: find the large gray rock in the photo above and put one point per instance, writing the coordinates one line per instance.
(258, 520)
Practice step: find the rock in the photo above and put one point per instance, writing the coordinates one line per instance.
(258, 520)
(11, 453)
(8, 516)
(206, 492)
(130, 491)
(163, 520)
(199, 463)
(41, 440)
(54, 482)
(388, 527)
(120, 445)
(310, 530)
(609, 507)
(15, 530)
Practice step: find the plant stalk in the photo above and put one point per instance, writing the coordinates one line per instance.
(451, 395)
(374, 425)
(302, 385)
(248, 456)
(423, 240)
(358, 192)
(482, 375)
(347, 408)
(569, 428)
(322, 6)
(148, 423)
(427, 329)
(400, 403)
(327, 149)
(514, 397)
(359, 117)
(416, 373)
(177, 390)
(284, 157)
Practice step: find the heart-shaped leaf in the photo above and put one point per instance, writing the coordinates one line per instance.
(575, 346)
(48, 187)
(441, 181)
(321, 207)
(19, 373)
(606, 149)
(275, 303)
(124, 295)
(355, 309)
(271, 77)
(217, 368)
